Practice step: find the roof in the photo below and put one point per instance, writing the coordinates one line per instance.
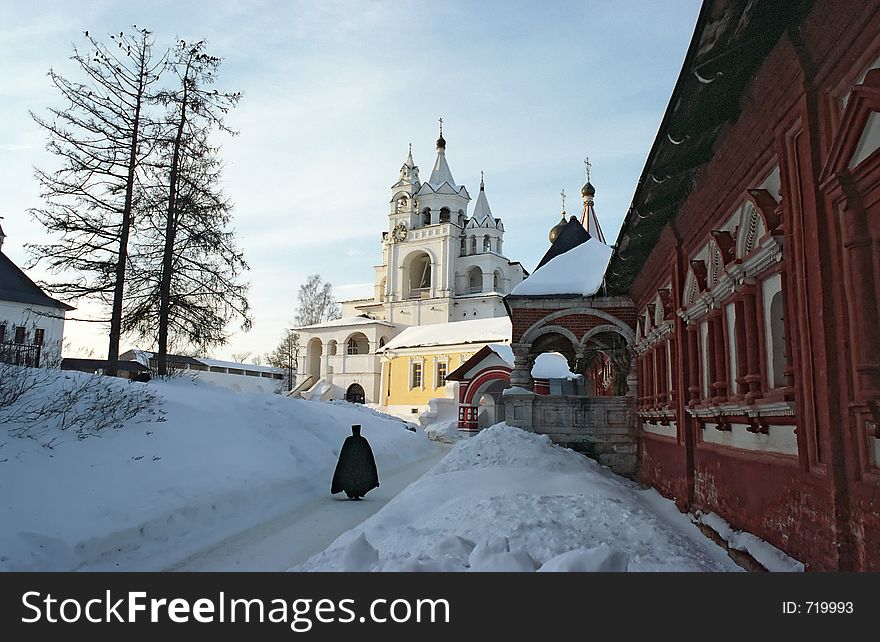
(481, 208)
(15, 286)
(75, 363)
(441, 173)
(143, 357)
(730, 41)
(579, 271)
(503, 350)
(495, 329)
(346, 321)
(571, 235)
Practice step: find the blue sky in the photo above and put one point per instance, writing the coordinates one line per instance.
(334, 92)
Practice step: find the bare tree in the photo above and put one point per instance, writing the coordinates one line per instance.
(284, 356)
(315, 302)
(188, 267)
(100, 137)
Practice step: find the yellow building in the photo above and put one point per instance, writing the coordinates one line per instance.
(415, 363)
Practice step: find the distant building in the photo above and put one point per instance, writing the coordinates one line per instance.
(416, 362)
(240, 377)
(438, 266)
(31, 322)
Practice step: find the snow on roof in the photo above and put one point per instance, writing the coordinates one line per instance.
(578, 271)
(345, 321)
(235, 364)
(443, 334)
(504, 351)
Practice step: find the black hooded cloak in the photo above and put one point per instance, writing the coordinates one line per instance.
(356, 472)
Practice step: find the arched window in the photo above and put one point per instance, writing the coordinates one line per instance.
(402, 203)
(382, 342)
(499, 246)
(426, 216)
(487, 244)
(444, 215)
(352, 346)
(473, 245)
(463, 246)
(461, 218)
(777, 358)
(419, 275)
(331, 348)
(475, 280)
(496, 281)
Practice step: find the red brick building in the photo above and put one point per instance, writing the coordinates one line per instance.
(751, 254)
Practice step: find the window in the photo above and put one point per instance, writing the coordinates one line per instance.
(19, 334)
(473, 245)
(426, 216)
(38, 336)
(382, 342)
(496, 281)
(475, 280)
(415, 374)
(464, 246)
(487, 244)
(440, 379)
(444, 215)
(352, 346)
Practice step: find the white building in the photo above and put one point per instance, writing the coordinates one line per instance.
(438, 264)
(31, 322)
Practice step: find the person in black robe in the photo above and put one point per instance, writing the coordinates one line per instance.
(356, 469)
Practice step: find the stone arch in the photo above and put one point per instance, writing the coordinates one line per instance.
(418, 271)
(444, 214)
(355, 394)
(475, 280)
(483, 380)
(622, 327)
(356, 343)
(498, 281)
(599, 329)
(314, 350)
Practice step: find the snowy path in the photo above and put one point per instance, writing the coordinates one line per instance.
(293, 537)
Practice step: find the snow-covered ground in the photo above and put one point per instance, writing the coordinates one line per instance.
(508, 500)
(241, 482)
(153, 493)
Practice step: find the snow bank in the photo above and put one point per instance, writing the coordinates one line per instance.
(552, 365)
(578, 271)
(510, 500)
(149, 495)
(765, 553)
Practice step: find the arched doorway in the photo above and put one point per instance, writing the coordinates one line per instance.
(314, 350)
(490, 407)
(355, 394)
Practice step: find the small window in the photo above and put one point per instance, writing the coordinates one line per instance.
(444, 215)
(382, 342)
(487, 244)
(426, 216)
(352, 346)
(38, 336)
(19, 334)
(441, 375)
(473, 245)
(415, 375)
(464, 246)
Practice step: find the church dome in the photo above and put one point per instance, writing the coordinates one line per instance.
(557, 229)
(441, 142)
(588, 189)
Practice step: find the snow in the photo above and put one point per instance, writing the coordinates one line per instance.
(504, 351)
(578, 271)
(152, 493)
(509, 500)
(346, 321)
(552, 365)
(458, 332)
(765, 553)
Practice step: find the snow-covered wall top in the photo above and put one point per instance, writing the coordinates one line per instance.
(552, 365)
(578, 271)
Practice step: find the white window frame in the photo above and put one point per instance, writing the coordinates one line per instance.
(437, 363)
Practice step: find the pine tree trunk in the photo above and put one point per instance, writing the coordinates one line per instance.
(122, 260)
(170, 234)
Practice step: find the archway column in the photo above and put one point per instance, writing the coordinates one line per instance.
(521, 375)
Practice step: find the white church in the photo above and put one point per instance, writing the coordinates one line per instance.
(439, 265)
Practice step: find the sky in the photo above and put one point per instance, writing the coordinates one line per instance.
(334, 91)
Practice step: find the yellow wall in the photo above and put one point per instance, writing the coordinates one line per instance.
(399, 368)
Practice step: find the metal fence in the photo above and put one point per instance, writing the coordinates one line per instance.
(20, 354)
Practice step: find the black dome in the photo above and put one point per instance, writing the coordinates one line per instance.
(588, 189)
(441, 142)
